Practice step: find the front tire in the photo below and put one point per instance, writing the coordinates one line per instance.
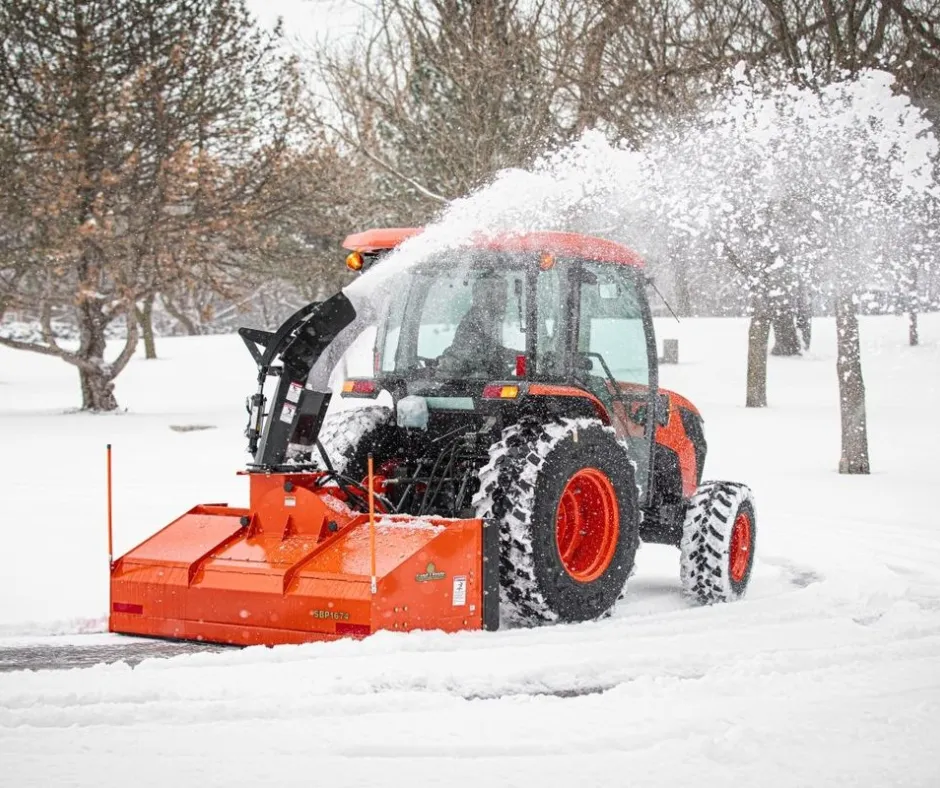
(718, 539)
(565, 500)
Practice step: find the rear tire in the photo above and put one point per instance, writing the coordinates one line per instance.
(348, 436)
(718, 538)
(564, 498)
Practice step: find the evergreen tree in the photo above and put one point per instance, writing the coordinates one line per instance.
(138, 142)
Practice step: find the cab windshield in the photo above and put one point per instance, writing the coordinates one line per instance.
(488, 315)
(460, 322)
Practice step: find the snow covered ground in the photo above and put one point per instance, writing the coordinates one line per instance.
(828, 673)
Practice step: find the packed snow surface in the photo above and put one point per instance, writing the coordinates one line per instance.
(827, 673)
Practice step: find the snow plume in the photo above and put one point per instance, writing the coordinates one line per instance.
(836, 179)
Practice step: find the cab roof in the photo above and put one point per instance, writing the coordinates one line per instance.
(561, 244)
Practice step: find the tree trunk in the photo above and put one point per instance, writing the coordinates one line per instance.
(97, 390)
(786, 340)
(180, 317)
(854, 457)
(758, 337)
(683, 292)
(145, 321)
(804, 324)
(913, 298)
(95, 374)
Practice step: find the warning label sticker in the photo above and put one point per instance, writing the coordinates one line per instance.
(287, 412)
(293, 391)
(460, 591)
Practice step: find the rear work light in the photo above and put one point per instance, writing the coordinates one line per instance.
(496, 391)
(360, 388)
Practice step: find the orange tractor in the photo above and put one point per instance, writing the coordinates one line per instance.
(500, 465)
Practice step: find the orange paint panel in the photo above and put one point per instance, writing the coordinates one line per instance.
(267, 550)
(419, 596)
(539, 242)
(549, 390)
(679, 401)
(673, 437)
(243, 634)
(379, 239)
(188, 537)
(277, 511)
(350, 555)
(207, 577)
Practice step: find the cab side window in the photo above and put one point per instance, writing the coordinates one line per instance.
(611, 324)
(549, 343)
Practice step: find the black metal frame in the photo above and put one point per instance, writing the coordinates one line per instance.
(297, 345)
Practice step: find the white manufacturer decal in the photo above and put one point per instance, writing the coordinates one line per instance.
(460, 591)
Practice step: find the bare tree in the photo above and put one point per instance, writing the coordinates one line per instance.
(438, 96)
(628, 64)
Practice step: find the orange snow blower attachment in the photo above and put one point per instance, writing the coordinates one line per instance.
(308, 559)
(295, 566)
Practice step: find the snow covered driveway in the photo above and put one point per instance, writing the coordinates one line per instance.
(828, 673)
(777, 693)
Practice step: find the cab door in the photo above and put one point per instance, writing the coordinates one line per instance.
(613, 353)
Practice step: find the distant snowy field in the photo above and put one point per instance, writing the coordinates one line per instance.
(828, 673)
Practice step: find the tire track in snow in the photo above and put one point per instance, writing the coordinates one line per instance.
(173, 694)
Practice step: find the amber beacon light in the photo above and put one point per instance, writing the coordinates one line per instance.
(354, 261)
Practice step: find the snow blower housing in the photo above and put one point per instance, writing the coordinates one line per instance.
(525, 438)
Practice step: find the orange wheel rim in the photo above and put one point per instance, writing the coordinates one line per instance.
(587, 525)
(740, 552)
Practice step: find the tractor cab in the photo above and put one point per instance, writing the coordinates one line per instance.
(522, 326)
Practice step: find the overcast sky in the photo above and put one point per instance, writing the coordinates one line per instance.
(306, 19)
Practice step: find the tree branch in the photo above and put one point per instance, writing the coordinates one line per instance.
(388, 167)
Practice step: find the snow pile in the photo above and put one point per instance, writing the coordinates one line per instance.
(410, 524)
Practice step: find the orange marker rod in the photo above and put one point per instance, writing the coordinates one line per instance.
(110, 542)
(372, 525)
